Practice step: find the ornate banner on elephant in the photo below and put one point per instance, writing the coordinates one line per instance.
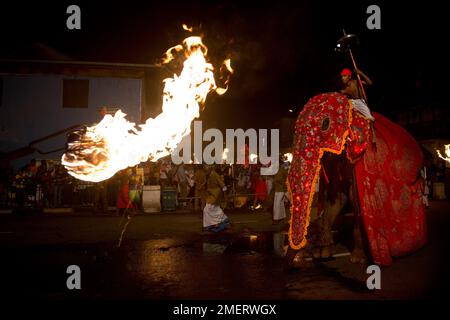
(390, 193)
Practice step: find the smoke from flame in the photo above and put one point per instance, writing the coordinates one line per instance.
(98, 152)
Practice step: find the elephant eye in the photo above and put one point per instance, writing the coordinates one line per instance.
(325, 124)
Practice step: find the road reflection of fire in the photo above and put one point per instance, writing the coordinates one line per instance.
(98, 152)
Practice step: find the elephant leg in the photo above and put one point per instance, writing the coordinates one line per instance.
(358, 254)
(326, 236)
(289, 259)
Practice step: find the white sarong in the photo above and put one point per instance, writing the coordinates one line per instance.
(279, 212)
(361, 106)
(213, 215)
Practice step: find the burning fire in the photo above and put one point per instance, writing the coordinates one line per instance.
(288, 157)
(225, 153)
(185, 27)
(98, 152)
(253, 157)
(447, 153)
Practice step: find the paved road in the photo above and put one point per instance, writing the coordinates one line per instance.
(167, 256)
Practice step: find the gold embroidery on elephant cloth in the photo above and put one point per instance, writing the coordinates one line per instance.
(374, 161)
(367, 206)
(302, 142)
(401, 167)
(402, 204)
(381, 192)
(374, 202)
(405, 198)
(408, 158)
(377, 204)
(366, 201)
(396, 207)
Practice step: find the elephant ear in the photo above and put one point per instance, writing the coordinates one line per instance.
(360, 136)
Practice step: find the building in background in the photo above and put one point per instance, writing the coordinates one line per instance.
(41, 97)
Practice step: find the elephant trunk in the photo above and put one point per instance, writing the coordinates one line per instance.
(303, 177)
(322, 126)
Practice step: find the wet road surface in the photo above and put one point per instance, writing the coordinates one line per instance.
(245, 264)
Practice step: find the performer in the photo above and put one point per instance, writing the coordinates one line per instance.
(260, 189)
(214, 219)
(200, 187)
(354, 92)
(279, 211)
(351, 88)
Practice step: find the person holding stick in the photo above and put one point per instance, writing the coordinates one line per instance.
(351, 88)
(355, 92)
(354, 88)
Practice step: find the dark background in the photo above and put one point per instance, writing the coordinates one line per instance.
(282, 51)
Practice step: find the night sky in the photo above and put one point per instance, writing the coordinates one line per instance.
(282, 52)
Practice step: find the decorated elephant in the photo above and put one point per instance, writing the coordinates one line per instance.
(382, 162)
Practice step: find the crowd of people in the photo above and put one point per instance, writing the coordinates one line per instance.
(46, 184)
(38, 183)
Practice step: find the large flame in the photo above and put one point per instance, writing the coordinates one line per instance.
(98, 152)
(447, 153)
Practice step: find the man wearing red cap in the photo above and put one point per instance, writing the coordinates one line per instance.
(351, 88)
(354, 92)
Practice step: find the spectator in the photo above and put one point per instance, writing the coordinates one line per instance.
(32, 168)
(59, 179)
(181, 178)
(135, 189)
(19, 185)
(214, 219)
(163, 174)
(101, 197)
(200, 188)
(43, 178)
(123, 199)
(281, 194)
(260, 190)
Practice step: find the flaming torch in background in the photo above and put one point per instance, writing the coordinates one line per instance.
(447, 153)
(96, 153)
(288, 157)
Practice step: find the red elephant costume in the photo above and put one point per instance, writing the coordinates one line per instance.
(387, 174)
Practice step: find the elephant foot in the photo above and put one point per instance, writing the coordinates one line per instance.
(327, 252)
(358, 256)
(289, 259)
(316, 252)
(324, 252)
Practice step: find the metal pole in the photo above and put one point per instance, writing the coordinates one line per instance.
(356, 68)
(358, 77)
